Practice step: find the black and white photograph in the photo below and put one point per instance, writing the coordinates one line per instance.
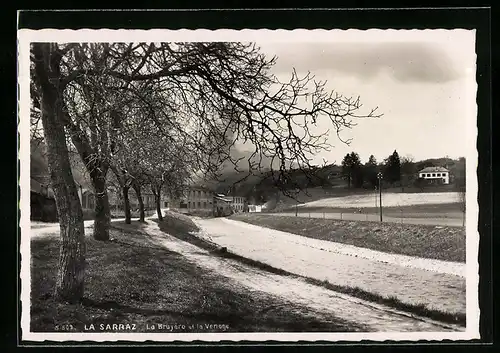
(248, 185)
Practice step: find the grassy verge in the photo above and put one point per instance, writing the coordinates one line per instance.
(135, 283)
(133, 213)
(441, 243)
(186, 229)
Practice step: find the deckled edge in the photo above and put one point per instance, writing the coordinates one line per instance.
(26, 36)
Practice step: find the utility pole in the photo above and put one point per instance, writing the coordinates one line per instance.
(379, 176)
(296, 202)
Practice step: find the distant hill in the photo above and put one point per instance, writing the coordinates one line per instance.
(261, 186)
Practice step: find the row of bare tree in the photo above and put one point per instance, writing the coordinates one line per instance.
(159, 115)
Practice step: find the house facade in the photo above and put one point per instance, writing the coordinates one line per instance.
(198, 198)
(194, 198)
(238, 203)
(222, 205)
(201, 199)
(254, 208)
(438, 175)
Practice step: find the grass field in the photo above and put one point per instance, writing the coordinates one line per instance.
(132, 281)
(444, 210)
(388, 200)
(442, 243)
(343, 197)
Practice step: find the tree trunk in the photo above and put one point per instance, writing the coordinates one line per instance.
(71, 267)
(142, 214)
(126, 203)
(102, 219)
(158, 206)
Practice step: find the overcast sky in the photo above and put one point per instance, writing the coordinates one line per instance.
(422, 86)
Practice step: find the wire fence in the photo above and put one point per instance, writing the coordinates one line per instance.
(395, 215)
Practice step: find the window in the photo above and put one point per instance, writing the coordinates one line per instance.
(433, 174)
(438, 174)
(205, 204)
(199, 204)
(189, 204)
(166, 204)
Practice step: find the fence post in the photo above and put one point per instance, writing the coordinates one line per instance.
(340, 215)
(323, 215)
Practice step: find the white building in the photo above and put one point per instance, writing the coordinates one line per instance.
(254, 208)
(237, 203)
(437, 174)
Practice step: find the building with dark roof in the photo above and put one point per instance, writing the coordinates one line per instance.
(435, 174)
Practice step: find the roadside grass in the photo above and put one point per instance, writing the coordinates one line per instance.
(434, 242)
(445, 210)
(129, 281)
(393, 302)
(134, 213)
(187, 229)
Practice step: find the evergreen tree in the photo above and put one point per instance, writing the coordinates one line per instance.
(371, 171)
(347, 169)
(352, 170)
(357, 170)
(392, 170)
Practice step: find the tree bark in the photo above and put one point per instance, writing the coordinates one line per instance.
(158, 206)
(126, 203)
(102, 218)
(142, 213)
(71, 267)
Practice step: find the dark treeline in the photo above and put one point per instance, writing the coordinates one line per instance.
(396, 171)
(353, 173)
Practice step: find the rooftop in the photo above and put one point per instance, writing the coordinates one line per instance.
(433, 170)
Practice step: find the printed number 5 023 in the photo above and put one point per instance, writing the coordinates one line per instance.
(65, 327)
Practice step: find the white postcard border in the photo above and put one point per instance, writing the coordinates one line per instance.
(25, 37)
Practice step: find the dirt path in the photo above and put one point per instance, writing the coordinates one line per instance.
(406, 281)
(45, 228)
(374, 317)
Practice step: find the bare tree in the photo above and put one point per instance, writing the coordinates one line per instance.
(46, 73)
(89, 90)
